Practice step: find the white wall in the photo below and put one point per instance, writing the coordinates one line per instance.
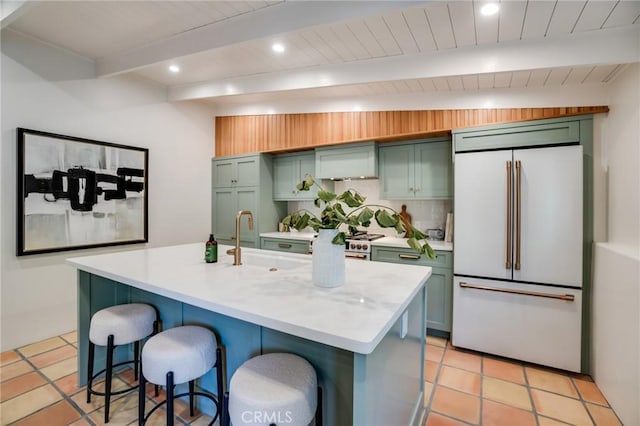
(616, 286)
(55, 91)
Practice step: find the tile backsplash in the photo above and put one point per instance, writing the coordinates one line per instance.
(425, 214)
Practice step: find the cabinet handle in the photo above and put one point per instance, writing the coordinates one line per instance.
(518, 212)
(284, 245)
(409, 256)
(565, 297)
(233, 238)
(509, 213)
(356, 256)
(411, 190)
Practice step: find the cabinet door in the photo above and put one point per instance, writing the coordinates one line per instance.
(307, 167)
(247, 171)
(480, 219)
(439, 294)
(396, 172)
(551, 215)
(433, 170)
(223, 173)
(224, 213)
(285, 177)
(247, 199)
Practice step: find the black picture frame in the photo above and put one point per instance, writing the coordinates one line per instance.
(76, 193)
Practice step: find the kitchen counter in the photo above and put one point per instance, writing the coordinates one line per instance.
(303, 236)
(353, 317)
(367, 332)
(402, 243)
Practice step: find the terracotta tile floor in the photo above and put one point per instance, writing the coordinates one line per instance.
(469, 388)
(39, 387)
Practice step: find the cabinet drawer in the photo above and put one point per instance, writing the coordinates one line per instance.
(409, 257)
(279, 244)
(539, 324)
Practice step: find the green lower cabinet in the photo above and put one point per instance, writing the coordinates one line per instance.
(439, 285)
(280, 244)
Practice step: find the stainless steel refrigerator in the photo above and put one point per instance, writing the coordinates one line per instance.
(518, 253)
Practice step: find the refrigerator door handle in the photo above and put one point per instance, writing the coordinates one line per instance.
(565, 297)
(518, 211)
(509, 214)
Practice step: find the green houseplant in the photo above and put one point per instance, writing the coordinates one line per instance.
(333, 216)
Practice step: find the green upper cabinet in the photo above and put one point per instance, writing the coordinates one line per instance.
(288, 171)
(347, 161)
(417, 170)
(554, 131)
(236, 171)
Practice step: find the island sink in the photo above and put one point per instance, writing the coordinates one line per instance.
(272, 262)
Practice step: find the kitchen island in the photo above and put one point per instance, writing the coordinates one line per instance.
(365, 339)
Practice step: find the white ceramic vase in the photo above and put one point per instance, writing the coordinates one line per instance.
(328, 260)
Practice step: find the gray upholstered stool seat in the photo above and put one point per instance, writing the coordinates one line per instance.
(128, 323)
(188, 351)
(113, 326)
(180, 355)
(276, 388)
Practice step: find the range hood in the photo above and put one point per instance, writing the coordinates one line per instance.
(350, 161)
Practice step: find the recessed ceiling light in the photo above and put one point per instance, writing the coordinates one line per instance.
(489, 9)
(277, 47)
(174, 68)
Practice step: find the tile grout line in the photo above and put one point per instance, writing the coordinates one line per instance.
(536, 415)
(65, 397)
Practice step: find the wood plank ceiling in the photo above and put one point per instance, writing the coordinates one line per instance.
(104, 31)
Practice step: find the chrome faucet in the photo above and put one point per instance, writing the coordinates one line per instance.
(237, 259)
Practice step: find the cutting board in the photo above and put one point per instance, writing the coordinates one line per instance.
(406, 220)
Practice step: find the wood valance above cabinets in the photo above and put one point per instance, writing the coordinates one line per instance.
(294, 132)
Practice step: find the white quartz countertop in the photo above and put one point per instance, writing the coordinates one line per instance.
(354, 317)
(304, 236)
(402, 243)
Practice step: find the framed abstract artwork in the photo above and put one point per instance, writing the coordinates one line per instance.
(77, 193)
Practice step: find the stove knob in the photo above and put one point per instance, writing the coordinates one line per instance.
(353, 246)
(359, 246)
(365, 247)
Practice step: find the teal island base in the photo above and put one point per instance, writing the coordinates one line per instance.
(384, 387)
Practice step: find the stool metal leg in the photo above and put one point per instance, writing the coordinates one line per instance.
(92, 350)
(319, 408)
(107, 380)
(141, 397)
(220, 381)
(225, 410)
(136, 358)
(192, 389)
(170, 398)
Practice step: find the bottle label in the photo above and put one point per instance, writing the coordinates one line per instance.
(211, 253)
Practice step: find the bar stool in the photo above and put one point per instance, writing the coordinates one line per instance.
(274, 389)
(180, 355)
(114, 326)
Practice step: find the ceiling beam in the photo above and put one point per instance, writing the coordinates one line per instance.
(611, 46)
(11, 10)
(268, 21)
